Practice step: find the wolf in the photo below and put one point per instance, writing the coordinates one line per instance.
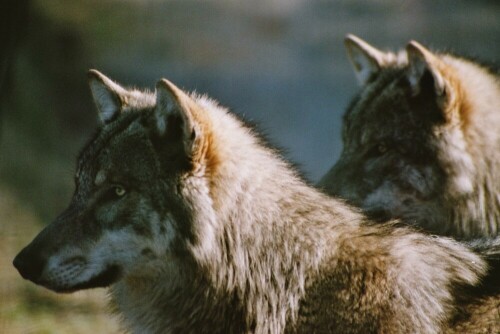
(422, 141)
(196, 225)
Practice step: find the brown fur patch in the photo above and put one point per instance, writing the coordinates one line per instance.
(480, 317)
(205, 153)
(456, 106)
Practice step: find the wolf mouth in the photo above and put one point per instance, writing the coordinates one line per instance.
(104, 279)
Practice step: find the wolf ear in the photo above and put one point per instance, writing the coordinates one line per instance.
(175, 109)
(420, 62)
(108, 95)
(365, 59)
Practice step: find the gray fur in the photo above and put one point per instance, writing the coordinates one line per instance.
(215, 233)
(421, 142)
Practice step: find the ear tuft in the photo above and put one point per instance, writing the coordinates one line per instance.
(366, 59)
(420, 61)
(177, 114)
(168, 102)
(108, 95)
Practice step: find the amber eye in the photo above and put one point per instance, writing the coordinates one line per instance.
(382, 148)
(378, 149)
(119, 191)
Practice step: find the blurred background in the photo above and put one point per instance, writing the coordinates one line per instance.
(278, 63)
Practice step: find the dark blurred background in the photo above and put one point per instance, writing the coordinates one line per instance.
(279, 63)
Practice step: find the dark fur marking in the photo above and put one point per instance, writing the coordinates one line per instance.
(147, 252)
(142, 230)
(107, 277)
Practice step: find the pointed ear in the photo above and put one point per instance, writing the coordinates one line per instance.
(420, 62)
(175, 109)
(108, 95)
(365, 59)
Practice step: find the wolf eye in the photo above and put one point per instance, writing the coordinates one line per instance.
(119, 191)
(378, 149)
(382, 148)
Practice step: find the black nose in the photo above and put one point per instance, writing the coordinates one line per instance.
(29, 264)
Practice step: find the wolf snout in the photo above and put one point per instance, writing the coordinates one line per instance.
(30, 265)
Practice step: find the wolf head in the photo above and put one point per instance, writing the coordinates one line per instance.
(140, 183)
(414, 144)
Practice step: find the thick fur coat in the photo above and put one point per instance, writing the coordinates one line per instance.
(196, 226)
(422, 141)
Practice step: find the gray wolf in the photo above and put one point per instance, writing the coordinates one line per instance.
(197, 226)
(422, 141)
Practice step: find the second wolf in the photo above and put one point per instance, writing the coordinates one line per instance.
(422, 141)
(198, 227)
